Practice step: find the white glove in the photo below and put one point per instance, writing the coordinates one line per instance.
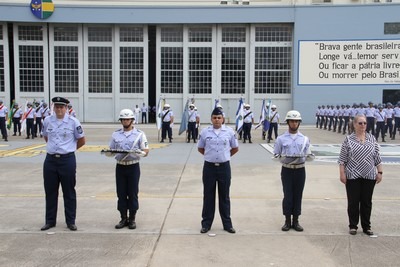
(34, 122)
(310, 157)
(140, 153)
(171, 125)
(197, 125)
(109, 154)
(276, 157)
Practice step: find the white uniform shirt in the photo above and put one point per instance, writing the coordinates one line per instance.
(126, 140)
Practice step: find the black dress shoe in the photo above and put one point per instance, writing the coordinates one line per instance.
(230, 230)
(204, 230)
(286, 226)
(47, 226)
(296, 226)
(72, 227)
(122, 223)
(131, 224)
(368, 232)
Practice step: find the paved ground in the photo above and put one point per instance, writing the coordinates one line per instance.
(170, 210)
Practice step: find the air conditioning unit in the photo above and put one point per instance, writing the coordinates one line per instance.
(321, 1)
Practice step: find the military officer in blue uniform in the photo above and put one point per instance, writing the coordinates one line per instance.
(218, 144)
(127, 170)
(292, 149)
(63, 135)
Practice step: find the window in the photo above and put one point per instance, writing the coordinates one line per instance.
(273, 60)
(131, 69)
(2, 82)
(30, 33)
(392, 28)
(172, 70)
(31, 68)
(200, 70)
(131, 34)
(66, 34)
(172, 34)
(66, 69)
(100, 34)
(100, 69)
(234, 34)
(200, 34)
(233, 70)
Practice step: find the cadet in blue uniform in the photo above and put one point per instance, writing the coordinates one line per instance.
(292, 149)
(16, 119)
(167, 117)
(127, 170)
(63, 135)
(193, 122)
(217, 143)
(3, 120)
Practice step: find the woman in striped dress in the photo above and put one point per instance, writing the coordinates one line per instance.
(360, 169)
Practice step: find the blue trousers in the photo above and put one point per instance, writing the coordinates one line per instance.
(293, 181)
(166, 128)
(192, 131)
(127, 182)
(58, 171)
(213, 176)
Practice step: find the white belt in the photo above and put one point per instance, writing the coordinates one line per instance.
(131, 162)
(294, 166)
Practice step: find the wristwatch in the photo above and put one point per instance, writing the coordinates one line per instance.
(380, 172)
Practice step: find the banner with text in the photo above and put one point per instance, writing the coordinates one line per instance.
(349, 62)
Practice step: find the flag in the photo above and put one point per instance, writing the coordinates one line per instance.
(160, 106)
(42, 9)
(267, 117)
(10, 116)
(23, 119)
(216, 102)
(262, 115)
(239, 116)
(185, 117)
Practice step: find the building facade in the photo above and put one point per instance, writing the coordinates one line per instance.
(107, 56)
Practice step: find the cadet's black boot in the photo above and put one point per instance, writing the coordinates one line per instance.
(250, 141)
(131, 221)
(286, 226)
(123, 222)
(295, 225)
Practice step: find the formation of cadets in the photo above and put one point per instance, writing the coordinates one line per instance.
(382, 119)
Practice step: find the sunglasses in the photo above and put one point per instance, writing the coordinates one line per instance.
(362, 123)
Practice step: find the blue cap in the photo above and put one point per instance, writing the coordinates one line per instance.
(217, 111)
(60, 100)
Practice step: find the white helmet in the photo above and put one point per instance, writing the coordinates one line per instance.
(293, 115)
(191, 105)
(273, 106)
(246, 105)
(219, 106)
(167, 106)
(126, 114)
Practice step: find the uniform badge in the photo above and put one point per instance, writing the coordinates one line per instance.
(79, 129)
(42, 9)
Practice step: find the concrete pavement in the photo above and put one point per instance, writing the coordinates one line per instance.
(168, 221)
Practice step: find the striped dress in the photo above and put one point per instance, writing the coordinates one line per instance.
(360, 160)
